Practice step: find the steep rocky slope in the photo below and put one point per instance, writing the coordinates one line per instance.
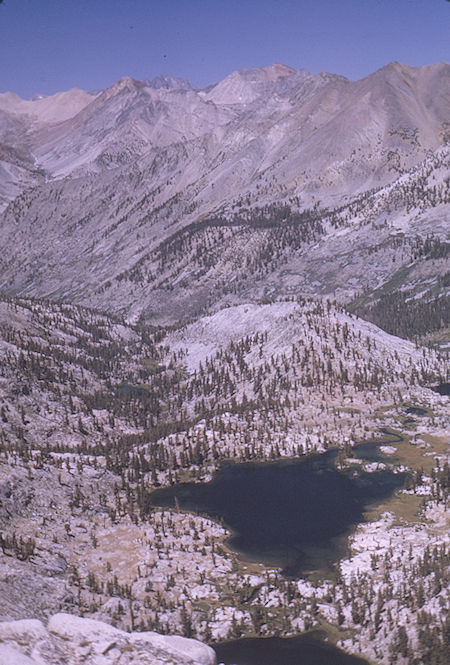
(163, 202)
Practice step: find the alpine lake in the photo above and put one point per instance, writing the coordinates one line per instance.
(294, 514)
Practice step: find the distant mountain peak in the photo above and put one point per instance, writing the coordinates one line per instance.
(167, 82)
(47, 108)
(268, 73)
(125, 83)
(245, 85)
(9, 98)
(278, 70)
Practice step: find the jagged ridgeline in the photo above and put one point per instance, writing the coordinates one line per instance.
(163, 204)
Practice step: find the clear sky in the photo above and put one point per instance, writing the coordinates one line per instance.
(51, 45)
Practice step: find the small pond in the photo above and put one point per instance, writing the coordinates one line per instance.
(442, 389)
(305, 649)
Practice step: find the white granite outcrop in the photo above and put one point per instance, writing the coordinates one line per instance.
(73, 640)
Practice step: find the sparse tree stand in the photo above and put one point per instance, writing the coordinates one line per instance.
(119, 427)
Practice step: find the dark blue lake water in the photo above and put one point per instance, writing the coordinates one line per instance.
(294, 514)
(302, 650)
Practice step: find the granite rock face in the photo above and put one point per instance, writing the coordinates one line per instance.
(72, 640)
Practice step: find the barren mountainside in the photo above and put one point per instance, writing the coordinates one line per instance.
(162, 201)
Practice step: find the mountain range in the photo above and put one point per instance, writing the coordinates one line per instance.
(257, 271)
(161, 202)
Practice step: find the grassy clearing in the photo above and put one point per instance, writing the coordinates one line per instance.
(405, 507)
(152, 365)
(334, 634)
(437, 339)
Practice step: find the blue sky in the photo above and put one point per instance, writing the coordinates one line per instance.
(51, 45)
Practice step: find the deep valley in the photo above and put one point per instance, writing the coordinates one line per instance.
(224, 335)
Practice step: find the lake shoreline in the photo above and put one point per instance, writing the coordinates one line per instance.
(309, 479)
